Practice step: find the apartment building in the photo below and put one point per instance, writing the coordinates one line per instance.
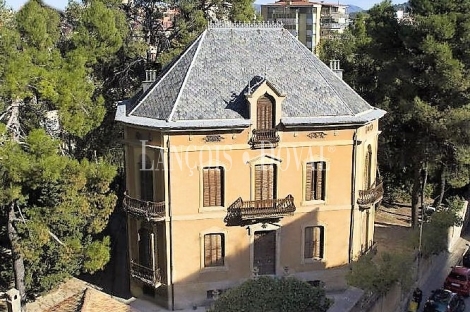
(245, 156)
(308, 21)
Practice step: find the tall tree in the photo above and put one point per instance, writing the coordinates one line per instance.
(417, 71)
(55, 205)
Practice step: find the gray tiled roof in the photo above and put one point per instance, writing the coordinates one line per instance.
(209, 81)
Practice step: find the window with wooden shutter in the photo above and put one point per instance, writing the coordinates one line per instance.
(212, 186)
(214, 250)
(264, 113)
(368, 168)
(265, 182)
(146, 179)
(313, 242)
(315, 180)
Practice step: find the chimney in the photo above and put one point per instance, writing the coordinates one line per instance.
(13, 300)
(150, 76)
(334, 66)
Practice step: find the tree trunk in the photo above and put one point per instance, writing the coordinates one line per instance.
(415, 195)
(18, 263)
(442, 189)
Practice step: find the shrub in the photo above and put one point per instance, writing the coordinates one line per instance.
(267, 294)
(379, 275)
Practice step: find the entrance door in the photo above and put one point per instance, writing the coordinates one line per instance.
(264, 257)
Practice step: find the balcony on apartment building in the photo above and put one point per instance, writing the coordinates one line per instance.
(334, 14)
(252, 210)
(152, 211)
(373, 195)
(146, 275)
(264, 138)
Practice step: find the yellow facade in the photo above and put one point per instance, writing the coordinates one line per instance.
(176, 160)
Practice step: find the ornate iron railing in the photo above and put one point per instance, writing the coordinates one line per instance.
(371, 196)
(147, 275)
(152, 211)
(260, 209)
(264, 138)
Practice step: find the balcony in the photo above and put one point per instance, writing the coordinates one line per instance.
(264, 138)
(241, 212)
(370, 197)
(152, 211)
(146, 275)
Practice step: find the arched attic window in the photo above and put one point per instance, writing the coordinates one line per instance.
(146, 178)
(265, 112)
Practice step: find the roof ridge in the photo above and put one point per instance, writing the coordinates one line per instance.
(229, 24)
(201, 38)
(164, 73)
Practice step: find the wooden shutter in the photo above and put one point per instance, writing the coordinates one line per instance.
(308, 242)
(265, 182)
(213, 250)
(319, 174)
(313, 242)
(212, 187)
(368, 169)
(308, 181)
(133, 239)
(317, 242)
(258, 182)
(264, 113)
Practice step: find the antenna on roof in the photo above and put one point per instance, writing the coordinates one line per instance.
(265, 71)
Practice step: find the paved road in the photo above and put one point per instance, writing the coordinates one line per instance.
(435, 279)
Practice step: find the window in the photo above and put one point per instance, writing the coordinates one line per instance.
(213, 186)
(265, 182)
(315, 182)
(214, 251)
(314, 241)
(368, 168)
(145, 247)
(265, 118)
(146, 179)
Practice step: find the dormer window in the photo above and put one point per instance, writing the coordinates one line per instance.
(265, 113)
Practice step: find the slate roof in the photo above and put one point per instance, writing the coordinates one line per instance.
(206, 85)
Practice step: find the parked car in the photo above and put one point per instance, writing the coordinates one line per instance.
(458, 281)
(443, 300)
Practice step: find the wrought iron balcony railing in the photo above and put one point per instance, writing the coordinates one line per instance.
(264, 138)
(373, 195)
(260, 209)
(152, 211)
(147, 275)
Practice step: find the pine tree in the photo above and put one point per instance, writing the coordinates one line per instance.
(56, 205)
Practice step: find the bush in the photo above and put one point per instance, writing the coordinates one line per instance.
(435, 232)
(379, 275)
(267, 294)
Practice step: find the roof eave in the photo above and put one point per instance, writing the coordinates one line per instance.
(331, 121)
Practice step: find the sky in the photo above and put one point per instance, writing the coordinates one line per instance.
(60, 4)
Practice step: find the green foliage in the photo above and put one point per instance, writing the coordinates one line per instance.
(269, 294)
(378, 275)
(417, 71)
(435, 233)
(59, 196)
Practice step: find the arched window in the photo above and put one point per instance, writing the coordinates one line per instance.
(265, 113)
(146, 178)
(368, 168)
